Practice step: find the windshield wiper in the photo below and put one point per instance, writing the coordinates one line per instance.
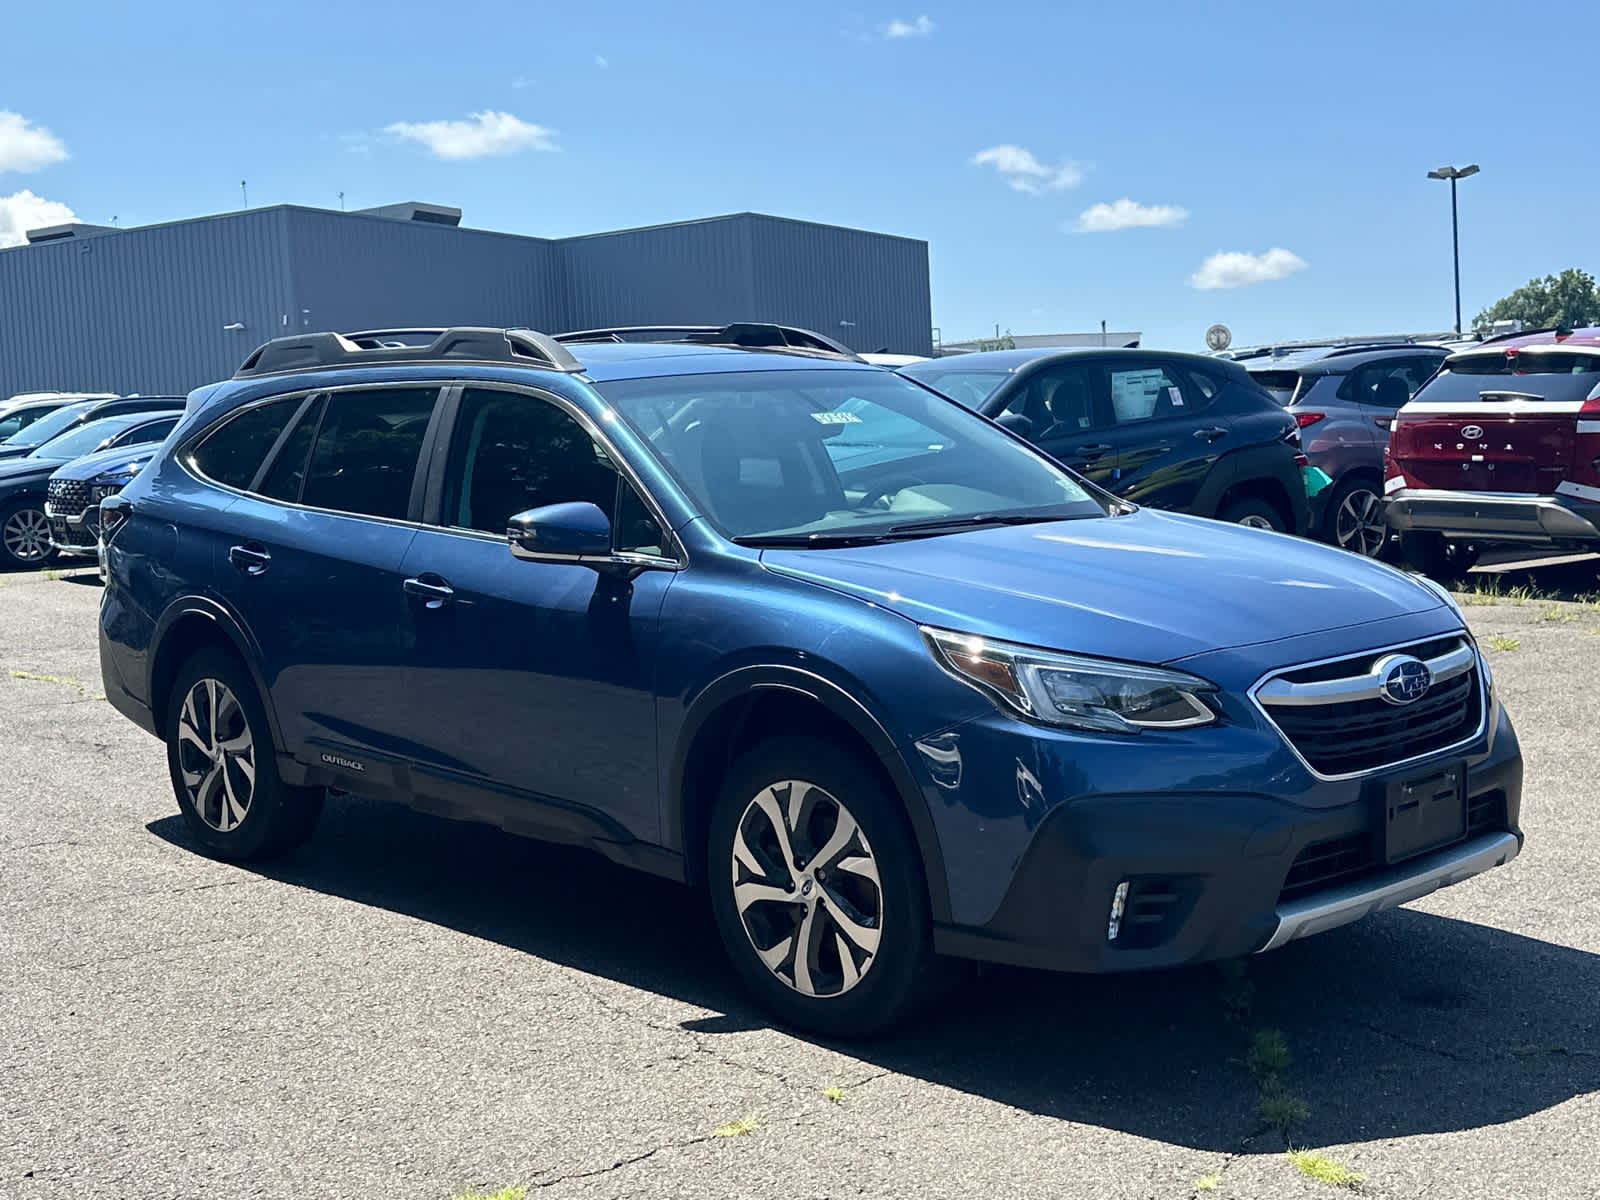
(976, 521)
(1502, 395)
(810, 541)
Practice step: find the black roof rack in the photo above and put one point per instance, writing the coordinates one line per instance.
(310, 351)
(749, 335)
(1369, 347)
(1502, 337)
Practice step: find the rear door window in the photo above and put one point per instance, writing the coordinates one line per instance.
(232, 454)
(1148, 392)
(1387, 384)
(367, 449)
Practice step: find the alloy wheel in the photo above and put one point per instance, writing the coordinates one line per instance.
(807, 889)
(216, 755)
(1255, 521)
(26, 536)
(1359, 525)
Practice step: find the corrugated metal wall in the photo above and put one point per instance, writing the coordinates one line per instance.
(689, 274)
(141, 310)
(351, 271)
(144, 309)
(818, 276)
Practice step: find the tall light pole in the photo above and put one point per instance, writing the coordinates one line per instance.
(1453, 174)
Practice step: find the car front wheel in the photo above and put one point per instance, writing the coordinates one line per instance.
(24, 535)
(223, 766)
(817, 889)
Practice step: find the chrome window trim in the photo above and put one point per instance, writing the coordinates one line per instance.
(1485, 704)
(624, 468)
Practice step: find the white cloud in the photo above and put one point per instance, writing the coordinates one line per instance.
(485, 134)
(1125, 214)
(1025, 173)
(25, 211)
(921, 27)
(601, 61)
(25, 147)
(1235, 268)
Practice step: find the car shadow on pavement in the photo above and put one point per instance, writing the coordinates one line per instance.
(1403, 1024)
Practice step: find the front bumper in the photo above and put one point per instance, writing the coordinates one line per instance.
(1559, 519)
(75, 535)
(1226, 873)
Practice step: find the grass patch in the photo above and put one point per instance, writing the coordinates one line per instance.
(1501, 642)
(1281, 1109)
(737, 1128)
(1208, 1183)
(834, 1094)
(35, 678)
(1324, 1169)
(1268, 1055)
(1557, 612)
(505, 1193)
(51, 574)
(1479, 599)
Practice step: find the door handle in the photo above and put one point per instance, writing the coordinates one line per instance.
(252, 560)
(1093, 449)
(1210, 434)
(433, 595)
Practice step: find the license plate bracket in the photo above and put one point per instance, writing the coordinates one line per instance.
(1425, 812)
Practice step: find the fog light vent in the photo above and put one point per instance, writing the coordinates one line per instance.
(1119, 901)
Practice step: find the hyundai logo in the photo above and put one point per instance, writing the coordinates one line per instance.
(1472, 432)
(805, 888)
(1404, 680)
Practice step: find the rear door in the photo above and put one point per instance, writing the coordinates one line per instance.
(1496, 421)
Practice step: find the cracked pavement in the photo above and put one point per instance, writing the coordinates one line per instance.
(411, 1007)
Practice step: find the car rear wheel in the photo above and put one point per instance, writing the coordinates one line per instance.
(24, 535)
(1435, 557)
(1253, 513)
(1356, 519)
(224, 767)
(817, 890)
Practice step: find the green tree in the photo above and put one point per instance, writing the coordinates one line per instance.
(1569, 300)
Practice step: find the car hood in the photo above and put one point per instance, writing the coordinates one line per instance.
(1148, 586)
(26, 470)
(103, 461)
(12, 453)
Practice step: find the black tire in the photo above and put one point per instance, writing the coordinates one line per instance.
(1248, 510)
(1435, 557)
(899, 972)
(275, 817)
(20, 523)
(1353, 510)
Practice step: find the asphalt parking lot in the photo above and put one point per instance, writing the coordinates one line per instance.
(411, 1008)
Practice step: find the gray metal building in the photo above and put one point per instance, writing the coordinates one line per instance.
(165, 308)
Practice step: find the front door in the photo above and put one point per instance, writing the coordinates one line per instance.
(533, 683)
(1165, 444)
(1066, 407)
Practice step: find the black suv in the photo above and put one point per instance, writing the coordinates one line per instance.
(1174, 431)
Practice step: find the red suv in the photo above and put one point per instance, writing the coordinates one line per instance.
(1501, 446)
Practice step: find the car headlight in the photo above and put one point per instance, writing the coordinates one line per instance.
(109, 485)
(1072, 691)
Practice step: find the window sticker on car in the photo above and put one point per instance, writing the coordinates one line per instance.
(837, 417)
(1175, 396)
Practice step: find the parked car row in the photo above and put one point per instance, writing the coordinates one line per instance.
(59, 444)
(739, 609)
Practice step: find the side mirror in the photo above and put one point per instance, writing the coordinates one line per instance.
(1016, 423)
(577, 532)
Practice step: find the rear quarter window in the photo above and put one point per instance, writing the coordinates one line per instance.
(233, 453)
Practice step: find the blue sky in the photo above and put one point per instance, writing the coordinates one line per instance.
(1297, 135)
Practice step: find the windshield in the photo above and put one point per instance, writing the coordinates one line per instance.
(1557, 376)
(47, 427)
(808, 457)
(969, 388)
(87, 437)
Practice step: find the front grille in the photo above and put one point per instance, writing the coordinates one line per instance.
(67, 497)
(1348, 737)
(63, 534)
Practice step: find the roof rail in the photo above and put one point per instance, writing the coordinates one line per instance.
(1516, 333)
(1368, 347)
(749, 335)
(311, 351)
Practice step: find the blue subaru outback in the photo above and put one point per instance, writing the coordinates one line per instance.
(741, 610)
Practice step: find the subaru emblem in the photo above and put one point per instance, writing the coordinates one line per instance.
(1472, 432)
(1404, 680)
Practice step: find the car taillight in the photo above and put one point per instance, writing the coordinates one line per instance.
(1303, 419)
(1300, 460)
(1587, 449)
